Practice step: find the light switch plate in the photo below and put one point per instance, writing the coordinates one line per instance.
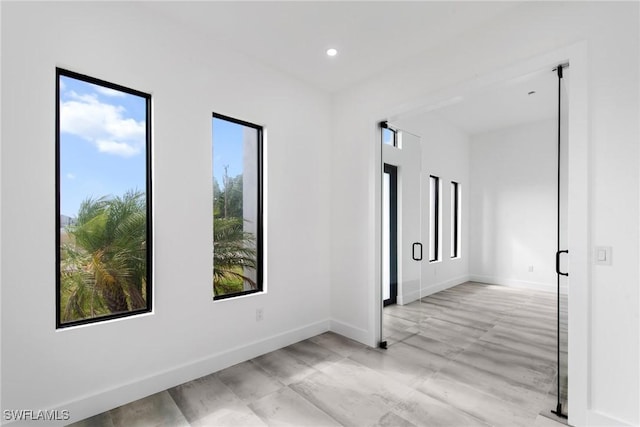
(602, 255)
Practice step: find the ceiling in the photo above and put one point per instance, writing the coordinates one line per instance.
(293, 36)
(507, 104)
(371, 37)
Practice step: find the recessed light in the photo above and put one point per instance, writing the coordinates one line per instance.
(332, 52)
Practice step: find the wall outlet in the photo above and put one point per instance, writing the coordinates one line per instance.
(259, 314)
(531, 269)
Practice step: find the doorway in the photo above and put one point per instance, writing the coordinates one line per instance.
(389, 235)
(430, 227)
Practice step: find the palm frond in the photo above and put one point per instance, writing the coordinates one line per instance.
(234, 252)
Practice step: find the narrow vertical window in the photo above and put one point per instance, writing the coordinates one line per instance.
(237, 207)
(103, 200)
(455, 219)
(434, 218)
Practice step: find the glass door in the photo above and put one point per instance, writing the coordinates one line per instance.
(402, 248)
(413, 251)
(562, 245)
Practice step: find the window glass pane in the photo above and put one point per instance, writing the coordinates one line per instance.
(236, 207)
(434, 217)
(388, 137)
(103, 152)
(386, 236)
(455, 219)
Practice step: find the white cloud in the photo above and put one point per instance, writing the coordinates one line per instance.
(71, 176)
(118, 148)
(86, 98)
(104, 125)
(109, 92)
(62, 85)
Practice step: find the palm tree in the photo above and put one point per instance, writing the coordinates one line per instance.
(104, 267)
(233, 252)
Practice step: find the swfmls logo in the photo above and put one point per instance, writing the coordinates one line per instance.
(36, 415)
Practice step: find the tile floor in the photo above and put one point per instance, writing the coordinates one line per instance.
(472, 355)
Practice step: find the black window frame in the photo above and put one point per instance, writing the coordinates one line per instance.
(455, 219)
(60, 72)
(435, 238)
(260, 212)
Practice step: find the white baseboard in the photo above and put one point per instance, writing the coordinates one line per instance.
(349, 331)
(513, 283)
(408, 298)
(138, 388)
(598, 419)
(431, 289)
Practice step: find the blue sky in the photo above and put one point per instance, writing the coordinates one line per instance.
(102, 143)
(387, 136)
(227, 148)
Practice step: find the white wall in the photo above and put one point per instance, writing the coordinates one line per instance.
(1, 37)
(92, 368)
(612, 372)
(445, 154)
(513, 206)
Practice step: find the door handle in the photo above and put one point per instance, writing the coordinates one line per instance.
(558, 262)
(413, 251)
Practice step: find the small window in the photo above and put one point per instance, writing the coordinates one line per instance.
(389, 137)
(103, 200)
(237, 207)
(455, 219)
(434, 218)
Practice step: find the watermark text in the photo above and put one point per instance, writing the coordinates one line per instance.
(36, 415)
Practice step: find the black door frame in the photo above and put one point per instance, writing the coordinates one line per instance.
(393, 234)
(560, 411)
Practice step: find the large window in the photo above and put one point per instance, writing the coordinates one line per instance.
(103, 203)
(237, 207)
(434, 218)
(455, 219)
